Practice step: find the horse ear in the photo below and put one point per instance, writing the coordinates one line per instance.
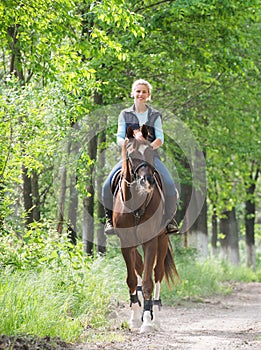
(144, 131)
(129, 133)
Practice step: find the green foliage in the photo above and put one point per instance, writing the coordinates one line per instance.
(202, 58)
(35, 304)
(49, 287)
(203, 278)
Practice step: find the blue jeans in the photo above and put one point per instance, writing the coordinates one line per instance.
(171, 197)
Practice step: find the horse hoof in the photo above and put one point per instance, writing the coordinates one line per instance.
(147, 328)
(147, 325)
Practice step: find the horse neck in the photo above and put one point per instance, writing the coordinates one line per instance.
(132, 198)
(127, 180)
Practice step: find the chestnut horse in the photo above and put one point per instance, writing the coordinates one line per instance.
(137, 220)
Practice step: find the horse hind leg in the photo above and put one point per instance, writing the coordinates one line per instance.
(157, 306)
(139, 270)
(139, 291)
(159, 272)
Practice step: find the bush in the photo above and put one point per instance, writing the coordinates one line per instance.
(50, 287)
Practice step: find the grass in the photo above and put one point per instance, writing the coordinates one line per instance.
(32, 304)
(62, 300)
(59, 292)
(203, 278)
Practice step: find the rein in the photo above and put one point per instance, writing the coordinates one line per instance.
(135, 172)
(140, 211)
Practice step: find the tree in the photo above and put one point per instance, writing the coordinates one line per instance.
(202, 59)
(46, 42)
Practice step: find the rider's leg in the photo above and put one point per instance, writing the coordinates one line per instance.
(107, 197)
(171, 196)
(171, 208)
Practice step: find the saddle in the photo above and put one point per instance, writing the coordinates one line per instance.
(115, 182)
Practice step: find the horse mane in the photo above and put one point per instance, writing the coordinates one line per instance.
(124, 157)
(131, 137)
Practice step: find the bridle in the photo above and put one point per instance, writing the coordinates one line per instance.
(136, 177)
(135, 181)
(139, 166)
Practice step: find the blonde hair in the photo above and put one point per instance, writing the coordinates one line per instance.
(141, 82)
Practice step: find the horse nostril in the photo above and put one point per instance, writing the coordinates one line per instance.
(151, 180)
(143, 181)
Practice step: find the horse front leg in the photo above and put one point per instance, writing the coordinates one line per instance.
(150, 253)
(129, 255)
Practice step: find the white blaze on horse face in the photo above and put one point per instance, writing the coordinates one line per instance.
(142, 148)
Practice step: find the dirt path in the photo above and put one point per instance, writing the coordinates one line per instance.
(220, 323)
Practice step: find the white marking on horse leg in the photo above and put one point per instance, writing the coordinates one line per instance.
(156, 308)
(139, 280)
(157, 291)
(147, 325)
(135, 318)
(139, 292)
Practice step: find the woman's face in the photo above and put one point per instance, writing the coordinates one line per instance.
(141, 94)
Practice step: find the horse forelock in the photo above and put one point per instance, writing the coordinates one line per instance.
(135, 145)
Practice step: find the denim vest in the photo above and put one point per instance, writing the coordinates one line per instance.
(132, 120)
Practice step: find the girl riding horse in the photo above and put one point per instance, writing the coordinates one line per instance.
(137, 115)
(137, 214)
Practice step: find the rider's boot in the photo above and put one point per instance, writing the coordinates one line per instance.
(171, 209)
(173, 227)
(108, 230)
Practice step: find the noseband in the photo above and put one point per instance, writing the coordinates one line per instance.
(139, 166)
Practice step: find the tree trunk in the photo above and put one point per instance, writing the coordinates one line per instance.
(184, 200)
(250, 212)
(214, 233)
(72, 209)
(224, 235)
(101, 238)
(198, 232)
(61, 200)
(16, 57)
(73, 199)
(36, 196)
(88, 202)
(62, 194)
(27, 195)
(229, 241)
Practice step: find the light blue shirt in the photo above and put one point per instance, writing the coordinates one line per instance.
(142, 118)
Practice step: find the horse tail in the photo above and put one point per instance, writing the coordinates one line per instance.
(171, 272)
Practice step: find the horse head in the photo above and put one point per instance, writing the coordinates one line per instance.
(140, 157)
